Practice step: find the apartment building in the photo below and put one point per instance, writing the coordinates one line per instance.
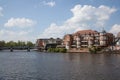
(87, 38)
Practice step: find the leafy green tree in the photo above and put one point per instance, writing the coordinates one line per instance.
(2, 43)
(29, 44)
(16, 44)
(11, 44)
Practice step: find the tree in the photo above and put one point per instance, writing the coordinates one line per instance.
(30, 44)
(11, 44)
(2, 43)
(16, 44)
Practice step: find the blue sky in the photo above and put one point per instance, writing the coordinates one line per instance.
(32, 19)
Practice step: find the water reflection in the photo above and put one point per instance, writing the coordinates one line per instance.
(58, 66)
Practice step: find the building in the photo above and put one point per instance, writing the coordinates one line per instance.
(45, 43)
(118, 36)
(118, 41)
(88, 38)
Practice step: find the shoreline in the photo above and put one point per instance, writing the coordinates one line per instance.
(100, 52)
(87, 52)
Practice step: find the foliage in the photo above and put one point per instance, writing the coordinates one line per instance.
(16, 44)
(61, 50)
(94, 49)
(30, 44)
(2, 43)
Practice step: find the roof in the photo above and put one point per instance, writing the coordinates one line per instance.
(86, 32)
(109, 34)
(67, 35)
(49, 39)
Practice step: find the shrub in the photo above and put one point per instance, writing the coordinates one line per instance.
(93, 49)
(56, 50)
(62, 50)
(50, 50)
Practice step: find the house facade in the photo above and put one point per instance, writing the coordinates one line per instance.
(42, 43)
(88, 38)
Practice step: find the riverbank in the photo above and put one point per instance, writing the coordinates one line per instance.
(98, 52)
(110, 52)
(95, 51)
(81, 50)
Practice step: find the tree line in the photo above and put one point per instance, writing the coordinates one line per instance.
(16, 44)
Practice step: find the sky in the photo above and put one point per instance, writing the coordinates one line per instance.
(28, 20)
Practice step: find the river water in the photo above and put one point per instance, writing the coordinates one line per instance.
(23, 65)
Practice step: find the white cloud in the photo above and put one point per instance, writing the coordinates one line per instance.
(19, 22)
(8, 35)
(84, 17)
(1, 9)
(115, 29)
(51, 3)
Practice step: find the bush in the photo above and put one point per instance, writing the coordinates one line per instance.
(93, 49)
(56, 49)
(49, 50)
(62, 50)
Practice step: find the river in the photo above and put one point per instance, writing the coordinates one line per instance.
(23, 65)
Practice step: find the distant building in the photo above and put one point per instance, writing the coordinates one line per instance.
(44, 43)
(118, 35)
(118, 41)
(87, 38)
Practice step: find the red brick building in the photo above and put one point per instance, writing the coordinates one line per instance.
(87, 38)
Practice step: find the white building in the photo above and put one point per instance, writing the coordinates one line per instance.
(118, 42)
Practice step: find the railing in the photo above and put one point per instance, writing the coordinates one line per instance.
(17, 48)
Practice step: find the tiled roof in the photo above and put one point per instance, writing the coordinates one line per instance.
(68, 35)
(109, 34)
(86, 32)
